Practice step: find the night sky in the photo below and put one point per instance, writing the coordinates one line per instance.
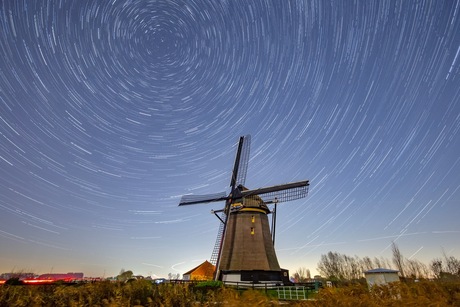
(111, 110)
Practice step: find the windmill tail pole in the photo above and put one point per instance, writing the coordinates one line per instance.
(274, 223)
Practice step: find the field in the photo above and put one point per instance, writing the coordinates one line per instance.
(144, 293)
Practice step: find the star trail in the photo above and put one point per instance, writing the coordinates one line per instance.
(111, 110)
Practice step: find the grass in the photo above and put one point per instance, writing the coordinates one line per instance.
(144, 293)
(424, 293)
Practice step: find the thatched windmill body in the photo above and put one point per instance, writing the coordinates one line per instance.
(244, 249)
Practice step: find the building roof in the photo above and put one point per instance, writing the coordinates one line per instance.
(380, 271)
(207, 263)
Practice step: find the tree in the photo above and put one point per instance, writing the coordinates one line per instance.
(416, 269)
(124, 275)
(452, 265)
(445, 268)
(351, 268)
(436, 267)
(377, 263)
(398, 258)
(172, 276)
(302, 275)
(366, 264)
(330, 266)
(336, 266)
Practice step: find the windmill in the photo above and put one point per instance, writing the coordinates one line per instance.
(244, 249)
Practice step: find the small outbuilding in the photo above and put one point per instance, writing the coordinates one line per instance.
(381, 276)
(204, 271)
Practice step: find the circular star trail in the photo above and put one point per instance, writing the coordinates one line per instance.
(111, 110)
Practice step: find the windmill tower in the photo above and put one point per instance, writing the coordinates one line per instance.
(244, 249)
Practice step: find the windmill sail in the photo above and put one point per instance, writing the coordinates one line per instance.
(201, 199)
(220, 233)
(240, 167)
(280, 193)
(244, 159)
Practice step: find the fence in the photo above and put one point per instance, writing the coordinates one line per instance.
(292, 293)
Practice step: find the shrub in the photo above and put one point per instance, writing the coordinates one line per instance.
(14, 281)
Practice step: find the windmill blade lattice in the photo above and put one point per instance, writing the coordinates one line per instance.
(244, 161)
(241, 162)
(280, 193)
(220, 234)
(198, 199)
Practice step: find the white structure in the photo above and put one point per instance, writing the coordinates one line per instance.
(381, 276)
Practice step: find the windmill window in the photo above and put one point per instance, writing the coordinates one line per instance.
(253, 219)
(252, 230)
